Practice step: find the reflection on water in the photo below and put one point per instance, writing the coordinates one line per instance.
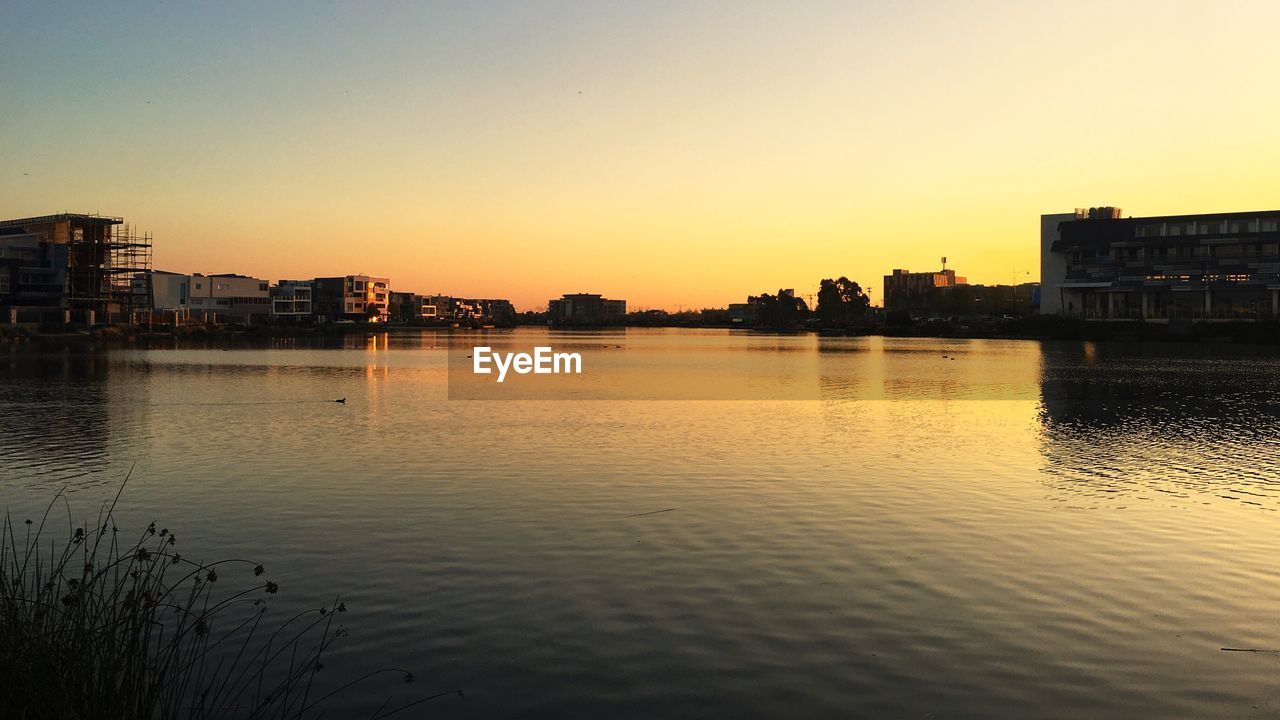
(1008, 529)
(1129, 423)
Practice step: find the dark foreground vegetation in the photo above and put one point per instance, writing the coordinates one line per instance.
(95, 624)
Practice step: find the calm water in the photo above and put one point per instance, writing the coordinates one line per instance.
(1079, 543)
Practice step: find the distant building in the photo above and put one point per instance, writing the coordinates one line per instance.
(33, 278)
(291, 300)
(351, 297)
(1096, 264)
(439, 307)
(228, 297)
(72, 265)
(484, 311)
(742, 313)
(170, 291)
(404, 306)
(905, 290)
(410, 307)
(585, 309)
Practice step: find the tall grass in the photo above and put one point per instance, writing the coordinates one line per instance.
(94, 624)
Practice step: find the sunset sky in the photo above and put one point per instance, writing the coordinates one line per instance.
(669, 153)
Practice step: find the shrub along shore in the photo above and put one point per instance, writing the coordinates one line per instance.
(100, 623)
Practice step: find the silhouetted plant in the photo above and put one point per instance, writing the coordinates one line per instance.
(96, 626)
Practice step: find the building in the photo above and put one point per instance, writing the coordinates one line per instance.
(1096, 264)
(483, 311)
(76, 266)
(351, 297)
(410, 307)
(33, 275)
(227, 297)
(742, 313)
(291, 300)
(905, 290)
(585, 309)
(437, 307)
(170, 291)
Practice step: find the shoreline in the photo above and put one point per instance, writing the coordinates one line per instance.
(1264, 332)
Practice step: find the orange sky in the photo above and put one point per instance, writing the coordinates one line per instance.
(666, 153)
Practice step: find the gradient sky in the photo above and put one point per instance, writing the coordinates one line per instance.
(668, 153)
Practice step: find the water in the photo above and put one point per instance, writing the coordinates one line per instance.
(1080, 543)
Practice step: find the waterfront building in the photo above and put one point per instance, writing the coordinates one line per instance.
(351, 297)
(33, 276)
(742, 313)
(228, 297)
(72, 266)
(437, 307)
(586, 309)
(170, 291)
(1096, 264)
(905, 290)
(484, 311)
(291, 300)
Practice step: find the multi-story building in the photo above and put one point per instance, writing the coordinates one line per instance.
(483, 311)
(33, 276)
(228, 297)
(73, 266)
(351, 297)
(1097, 264)
(437, 307)
(170, 291)
(905, 290)
(586, 309)
(291, 300)
(410, 307)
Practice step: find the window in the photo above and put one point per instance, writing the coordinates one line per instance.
(262, 287)
(4, 283)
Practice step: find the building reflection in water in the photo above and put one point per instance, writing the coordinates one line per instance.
(1185, 423)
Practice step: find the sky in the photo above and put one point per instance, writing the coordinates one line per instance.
(675, 154)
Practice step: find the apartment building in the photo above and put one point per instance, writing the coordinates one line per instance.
(1097, 264)
(351, 297)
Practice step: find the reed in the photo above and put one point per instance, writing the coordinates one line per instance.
(96, 625)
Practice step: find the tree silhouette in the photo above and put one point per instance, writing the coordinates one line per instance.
(780, 311)
(841, 302)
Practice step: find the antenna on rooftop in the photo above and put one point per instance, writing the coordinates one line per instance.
(944, 262)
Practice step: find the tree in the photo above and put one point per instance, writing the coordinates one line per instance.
(783, 310)
(841, 302)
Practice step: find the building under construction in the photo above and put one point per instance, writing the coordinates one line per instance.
(85, 268)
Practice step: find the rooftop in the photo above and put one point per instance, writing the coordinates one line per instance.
(62, 217)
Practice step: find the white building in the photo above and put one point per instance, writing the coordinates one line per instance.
(228, 297)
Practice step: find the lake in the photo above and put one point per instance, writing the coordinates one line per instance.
(818, 527)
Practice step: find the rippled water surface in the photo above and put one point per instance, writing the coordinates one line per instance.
(1081, 543)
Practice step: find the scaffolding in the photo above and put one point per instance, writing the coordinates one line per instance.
(108, 265)
(127, 271)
